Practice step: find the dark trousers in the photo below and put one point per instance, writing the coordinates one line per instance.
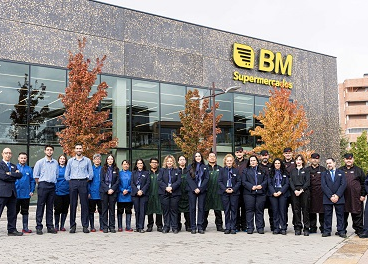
(170, 211)
(10, 203)
(357, 221)
(218, 219)
(254, 208)
(279, 208)
(196, 222)
(269, 207)
(241, 219)
(187, 221)
(108, 210)
(61, 204)
(140, 208)
(230, 203)
(127, 206)
(78, 187)
(151, 220)
(313, 221)
(339, 209)
(300, 205)
(46, 197)
(93, 204)
(365, 226)
(23, 206)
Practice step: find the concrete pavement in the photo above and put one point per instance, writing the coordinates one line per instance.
(155, 247)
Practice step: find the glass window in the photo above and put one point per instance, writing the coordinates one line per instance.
(45, 86)
(146, 155)
(118, 101)
(225, 139)
(37, 152)
(145, 114)
(172, 102)
(14, 84)
(243, 120)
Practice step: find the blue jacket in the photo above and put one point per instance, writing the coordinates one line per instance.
(235, 181)
(94, 185)
(26, 184)
(62, 185)
(163, 181)
(330, 187)
(125, 184)
(204, 178)
(249, 180)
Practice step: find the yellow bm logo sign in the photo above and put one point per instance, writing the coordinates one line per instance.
(243, 56)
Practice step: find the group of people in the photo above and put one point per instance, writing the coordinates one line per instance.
(242, 188)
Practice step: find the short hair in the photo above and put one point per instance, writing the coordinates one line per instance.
(125, 161)
(154, 159)
(331, 159)
(165, 160)
(301, 157)
(229, 156)
(78, 144)
(49, 146)
(22, 153)
(97, 155)
(211, 152)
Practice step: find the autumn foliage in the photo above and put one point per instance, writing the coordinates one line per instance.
(196, 131)
(284, 125)
(83, 121)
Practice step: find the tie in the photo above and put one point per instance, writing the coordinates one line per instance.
(9, 166)
(333, 175)
(229, 183)
(169, 178)
(255, 175)
(139, 180)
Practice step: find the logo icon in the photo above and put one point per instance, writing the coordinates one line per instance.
(243, 56)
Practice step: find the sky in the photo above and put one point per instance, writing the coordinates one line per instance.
(334, 27)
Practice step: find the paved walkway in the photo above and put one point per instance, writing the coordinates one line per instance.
(212, 247)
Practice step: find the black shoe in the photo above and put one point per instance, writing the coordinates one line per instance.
(175, 231)
(326, 234)
(15, 233)
(51, 230)
(159, 229)
(85, 230)
(260, 231)
(298, 232)
(72, 230)
(313, 230)
(220, 229)
(112, 230)
(337, 233)
(39, 232)
(275, 232)
(149, 229)
(105, 230)
(188, 229)
(306, 233)
(283, 232)
(165, 231)
(233, 232)
(343, 235)
(193, 232)
(249, 231)
(201, 232)
(364, 234)
(227, 231)
(142, 231)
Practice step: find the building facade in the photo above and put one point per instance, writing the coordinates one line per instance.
(353, 105)
(151, 63)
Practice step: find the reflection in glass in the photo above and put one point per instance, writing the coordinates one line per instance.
(243, 120)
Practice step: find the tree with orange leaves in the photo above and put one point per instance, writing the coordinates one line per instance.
(284, 125)
(196, 132)
(83, 121)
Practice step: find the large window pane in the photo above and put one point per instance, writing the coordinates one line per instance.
(225, 139)
(243, 120)
(259, 105)
(46, 107)
(145, 114)
(14, 83)
(117, 101)
(172, 102)
(146, 155)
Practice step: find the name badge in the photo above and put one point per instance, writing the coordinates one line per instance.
(303, 172)
(143, 175)
(339, 174)
(259, 173)
(318, 172)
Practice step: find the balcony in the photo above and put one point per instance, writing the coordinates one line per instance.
(357, 123)
(356, 97)
(356, 110)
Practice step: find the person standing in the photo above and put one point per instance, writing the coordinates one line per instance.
(278, 192)
(154, 204)
(25, 189)
(169, 190)
(125, 198)
(9, 173)
(265, 166)
(333, 182)
(62, 199)
(241, 164)
(229, 181)
(364, 234)
(78, 172)
(255, 189)
(109, 184)
(316, 194)
(94, 199)
(213, 198)
(46, 171)
(289, 161)
(299, 184)
(354, 193)
(140, 193)
(197, 179)
(184, 198)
